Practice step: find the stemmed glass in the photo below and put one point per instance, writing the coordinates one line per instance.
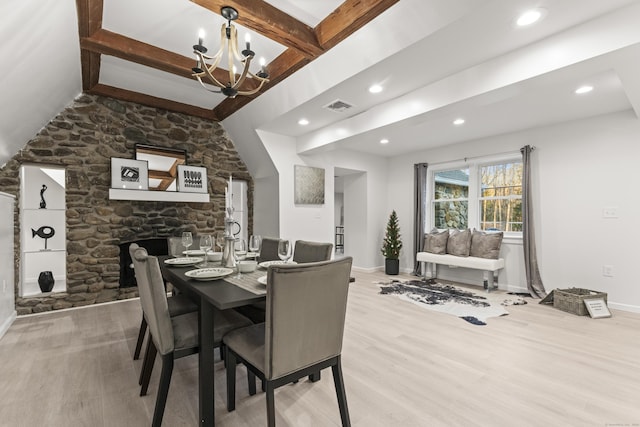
(284, 250)
(240, 250)
(205, 245)
(187, 240)
(220, 240)
(254, 244)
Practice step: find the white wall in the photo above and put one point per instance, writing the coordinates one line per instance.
(7, 292)
(579, 168)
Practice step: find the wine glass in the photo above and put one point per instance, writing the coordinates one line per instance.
(205, 245)
(220, 240)
(254, 244)
(240, 250)
(284, 250)
(187, 240)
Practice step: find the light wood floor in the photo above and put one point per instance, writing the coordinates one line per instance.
(403, 366)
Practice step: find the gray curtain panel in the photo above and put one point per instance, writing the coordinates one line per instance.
(420, 200)
(534, 281)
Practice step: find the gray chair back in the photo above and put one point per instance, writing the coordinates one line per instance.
(306, 307)
(269, 249)
(153, 298)
(312, 251)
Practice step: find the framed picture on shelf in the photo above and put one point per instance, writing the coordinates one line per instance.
(192, 179)
(129, 174)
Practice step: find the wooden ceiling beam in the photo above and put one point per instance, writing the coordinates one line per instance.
(89, 21)
(152, 101)
(263, 18)
(108, 43)
(349, 17)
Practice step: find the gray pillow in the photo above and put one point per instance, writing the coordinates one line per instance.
(436, 241)
(486, 245)
(459, 243)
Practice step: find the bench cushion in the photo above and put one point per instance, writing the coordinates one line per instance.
(467, 262)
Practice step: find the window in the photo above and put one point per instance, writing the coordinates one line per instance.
(483, 195)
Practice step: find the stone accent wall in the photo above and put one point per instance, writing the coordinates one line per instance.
(83, 138)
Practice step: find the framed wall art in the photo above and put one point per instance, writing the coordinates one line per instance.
(129, 174)
(192, 179)
(309, 185)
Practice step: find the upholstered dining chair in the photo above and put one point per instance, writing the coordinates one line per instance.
(172, 337)
(178, 304)
(306, 308)
(269, 249)
(305, 251)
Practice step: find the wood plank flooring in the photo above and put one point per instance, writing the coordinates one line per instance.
(403, 366)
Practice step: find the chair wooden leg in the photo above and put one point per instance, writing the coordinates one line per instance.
(231, 379)
(251, 380)
(149, 360)
(163, 389)
(340, 393)
(271, 407)
(143, 331)
(144, 361)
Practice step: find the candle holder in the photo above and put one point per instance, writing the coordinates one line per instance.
(228, 252)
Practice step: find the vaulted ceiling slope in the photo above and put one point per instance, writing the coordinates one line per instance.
(436, 60)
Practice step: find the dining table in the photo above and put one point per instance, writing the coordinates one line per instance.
(224, 293)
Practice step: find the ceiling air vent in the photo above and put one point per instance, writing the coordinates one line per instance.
(338, 106)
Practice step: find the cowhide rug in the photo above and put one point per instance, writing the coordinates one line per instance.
(474, 307)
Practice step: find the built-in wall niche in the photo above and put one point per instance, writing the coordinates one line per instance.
(43, 251)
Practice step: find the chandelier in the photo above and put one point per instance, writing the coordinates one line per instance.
(228, 45)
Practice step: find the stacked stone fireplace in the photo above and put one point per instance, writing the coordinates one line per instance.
(83, 138)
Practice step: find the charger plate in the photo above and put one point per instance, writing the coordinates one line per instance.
(266, 264)
(208, 273)
(183, 261)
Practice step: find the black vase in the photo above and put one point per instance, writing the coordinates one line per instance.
(46, 281)
(391, 266)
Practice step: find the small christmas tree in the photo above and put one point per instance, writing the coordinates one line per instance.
(392, 244)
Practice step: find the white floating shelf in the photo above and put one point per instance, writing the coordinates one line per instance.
(157, 196)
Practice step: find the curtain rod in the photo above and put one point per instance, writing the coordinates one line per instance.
(466, 159)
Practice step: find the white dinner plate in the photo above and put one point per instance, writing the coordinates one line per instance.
(208, 273)
(183, 262)
(266, 264)
(193, 252)
(262, 280)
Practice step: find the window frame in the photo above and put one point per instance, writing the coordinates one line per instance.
(474, 198)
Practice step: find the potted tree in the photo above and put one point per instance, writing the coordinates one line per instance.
(391, 245)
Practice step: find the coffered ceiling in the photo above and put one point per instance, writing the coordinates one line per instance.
(123, 43)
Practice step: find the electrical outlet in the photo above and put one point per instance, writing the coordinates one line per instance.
(610, 212)
(607, 270)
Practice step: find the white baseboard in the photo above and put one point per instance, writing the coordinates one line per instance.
(623, 307)
(7, 323)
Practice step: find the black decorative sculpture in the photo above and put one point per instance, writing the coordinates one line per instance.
(45, 232)
(43, 202)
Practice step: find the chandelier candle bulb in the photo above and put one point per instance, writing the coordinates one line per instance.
(200, 37)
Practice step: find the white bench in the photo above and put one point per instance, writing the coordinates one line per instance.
(490, 267)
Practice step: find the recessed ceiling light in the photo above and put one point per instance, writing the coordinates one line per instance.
(384, 141)
(458, 122)
(303, 122)
(530, 16)
(584, 89)
(375, 88)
